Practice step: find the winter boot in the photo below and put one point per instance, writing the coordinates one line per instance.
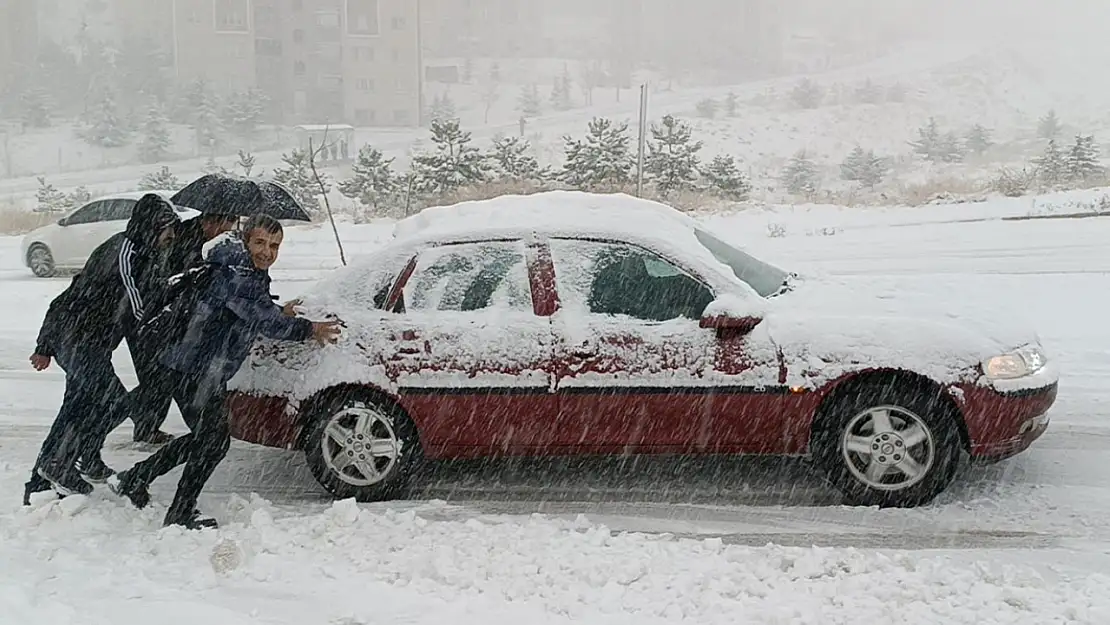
(37, 484)
(122, 486)
(65, 481)
(191, 521)
(93, 469)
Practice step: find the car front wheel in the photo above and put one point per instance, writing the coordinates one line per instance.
(889, 447)
(362, 446)
(41, 261)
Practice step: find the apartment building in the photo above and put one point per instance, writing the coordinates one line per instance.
(318, 61)
(18, 39)
(483, 28)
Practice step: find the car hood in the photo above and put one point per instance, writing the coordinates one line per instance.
(827, 327)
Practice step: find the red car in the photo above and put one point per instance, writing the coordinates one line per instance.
(569, 323)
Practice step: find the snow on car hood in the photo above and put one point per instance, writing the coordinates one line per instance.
(826, 327)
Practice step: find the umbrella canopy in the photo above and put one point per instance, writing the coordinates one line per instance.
(228, 194)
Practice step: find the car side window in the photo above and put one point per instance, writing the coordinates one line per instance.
(90, 213)
(468, 277)
(119, 210)
(621, 279)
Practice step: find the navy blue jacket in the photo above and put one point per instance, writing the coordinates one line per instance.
(235, 309)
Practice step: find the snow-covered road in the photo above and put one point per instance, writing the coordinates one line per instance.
(1025, 541)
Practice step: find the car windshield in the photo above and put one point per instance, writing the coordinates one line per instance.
(765, 279)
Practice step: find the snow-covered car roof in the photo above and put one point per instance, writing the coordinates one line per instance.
(573, 214)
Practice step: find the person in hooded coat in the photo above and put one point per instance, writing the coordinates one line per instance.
(234, 309)
(148, 404)
(82, 328)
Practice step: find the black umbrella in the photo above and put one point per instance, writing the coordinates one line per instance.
(228, 194)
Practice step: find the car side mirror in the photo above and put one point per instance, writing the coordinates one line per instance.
(63, 222)
(728, 323)
(733, 314)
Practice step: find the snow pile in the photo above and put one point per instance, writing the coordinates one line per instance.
(358, 563)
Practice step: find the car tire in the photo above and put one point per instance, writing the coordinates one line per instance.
(41, 261)
(888, 445)
(360, 445)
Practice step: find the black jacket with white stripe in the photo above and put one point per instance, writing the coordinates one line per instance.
(105, 301)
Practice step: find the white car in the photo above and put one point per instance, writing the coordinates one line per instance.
(68, 243)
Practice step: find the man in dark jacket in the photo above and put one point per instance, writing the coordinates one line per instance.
(148, 404)
(83, 325)
(234, 310)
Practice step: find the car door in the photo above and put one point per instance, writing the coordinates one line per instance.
(80, 235)
(470, 355)
(635, 371)
(114, 219)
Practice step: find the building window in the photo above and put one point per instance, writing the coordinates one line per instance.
(401, 116)
(364, 54)
(399, 23)
(231, 15)
(327, 19)
(267, 47)
(364, 117)
(330, 82)
(298, 36)
(298, 68)
(365, 84)
(362, 18)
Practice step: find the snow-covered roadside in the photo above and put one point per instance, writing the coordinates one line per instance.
(95, 562)
(308, 561)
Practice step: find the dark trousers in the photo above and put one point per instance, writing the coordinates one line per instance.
(92, 391)
(148, 403)
(201, 450)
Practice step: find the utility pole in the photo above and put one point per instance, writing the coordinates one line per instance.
(419, 63)
(642, 139)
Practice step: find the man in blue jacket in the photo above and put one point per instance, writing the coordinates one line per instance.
(233, 311)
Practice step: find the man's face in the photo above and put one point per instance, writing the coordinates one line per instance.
(263, 247)
(216, 225)
(165, 237)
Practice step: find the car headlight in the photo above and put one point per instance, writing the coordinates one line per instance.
(1019, 363)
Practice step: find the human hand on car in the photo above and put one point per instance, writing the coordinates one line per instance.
(40, 362)
(325, 332)
(289, 308)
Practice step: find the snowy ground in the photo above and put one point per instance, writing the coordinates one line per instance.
(1025, 541)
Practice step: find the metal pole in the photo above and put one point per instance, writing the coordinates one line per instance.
(419, 65)
(643, 135)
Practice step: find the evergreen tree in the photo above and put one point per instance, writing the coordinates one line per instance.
(161, 180)
(950, 149)
(869, 93)
(1082, 160)
(190, 99)
(601, 159)
(50, 199)
(807, 94)
(468, 70)
(560, 93)
(495, 72)
(510, 159)
(529, 102)
(707, 108)
(80, 196)
(1052, 165)
(928, 143)
(864, 167)
(155, 142)
(443, 108)
(297, 177)
(35, 106)
(373, 182)
(245, 162)
(978, 139)
(732, 104)
(206, 121)
(211, 167)
(244, 112)
(726, 180)
(104, 126)
(672, 159)
(453, 164)
(1048, 127)
(801, 176)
